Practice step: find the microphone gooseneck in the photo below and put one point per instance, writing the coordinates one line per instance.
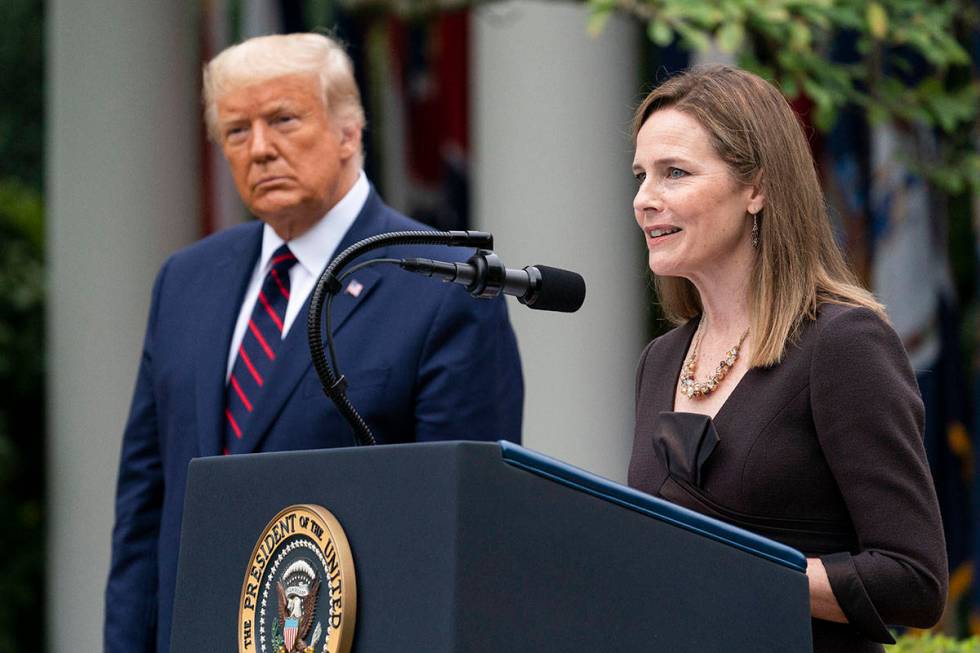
(328, 284)
(483, 275)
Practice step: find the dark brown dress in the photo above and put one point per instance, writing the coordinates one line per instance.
(822, 452)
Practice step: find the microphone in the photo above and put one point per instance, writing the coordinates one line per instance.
(484, 275)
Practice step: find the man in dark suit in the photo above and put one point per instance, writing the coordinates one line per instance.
(226, 367)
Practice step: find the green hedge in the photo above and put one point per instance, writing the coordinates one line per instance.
(22, 432)
(934, 644)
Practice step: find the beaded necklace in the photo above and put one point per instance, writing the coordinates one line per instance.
(691, 388)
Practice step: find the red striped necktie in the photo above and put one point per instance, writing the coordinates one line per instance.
(257, 353)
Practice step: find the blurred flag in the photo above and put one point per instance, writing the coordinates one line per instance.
(842, 161)
(910, 274)
(909, 270)
(974, 614)
(220, 205)
(974, 320)
(417, 97)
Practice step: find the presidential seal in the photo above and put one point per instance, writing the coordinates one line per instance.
(299, 593)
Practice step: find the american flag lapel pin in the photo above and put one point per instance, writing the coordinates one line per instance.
(354, 288)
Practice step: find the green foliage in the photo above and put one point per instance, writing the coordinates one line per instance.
(22, 436)
(933, 644)
(21, 416)
(22, 91)
(788, 42)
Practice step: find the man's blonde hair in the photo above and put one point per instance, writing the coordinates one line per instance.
(268, 57)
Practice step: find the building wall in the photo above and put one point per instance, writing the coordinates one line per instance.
(121, 194)
(552, 179)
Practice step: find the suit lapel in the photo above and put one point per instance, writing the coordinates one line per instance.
(369, 223)
(294, 355)
(222, 295)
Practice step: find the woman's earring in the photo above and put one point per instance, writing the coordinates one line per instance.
(755, 231)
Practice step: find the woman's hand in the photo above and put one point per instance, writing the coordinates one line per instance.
(823, 603)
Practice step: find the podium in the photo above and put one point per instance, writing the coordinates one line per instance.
(471, 547)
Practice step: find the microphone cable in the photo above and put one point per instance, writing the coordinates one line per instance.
(328, 284)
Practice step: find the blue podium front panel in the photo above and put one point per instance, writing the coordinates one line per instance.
(474, 547)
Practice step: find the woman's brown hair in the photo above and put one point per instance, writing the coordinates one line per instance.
(798, 264)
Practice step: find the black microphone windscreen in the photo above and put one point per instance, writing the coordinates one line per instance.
(561, 290)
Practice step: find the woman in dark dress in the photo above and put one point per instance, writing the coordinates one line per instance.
(783, 402)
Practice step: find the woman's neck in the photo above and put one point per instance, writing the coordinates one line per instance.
(724, 321)
(724, 291)
(725, 306)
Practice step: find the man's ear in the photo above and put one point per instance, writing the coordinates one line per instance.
(350, 140)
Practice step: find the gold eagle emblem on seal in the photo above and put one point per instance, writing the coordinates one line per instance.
(299, 594)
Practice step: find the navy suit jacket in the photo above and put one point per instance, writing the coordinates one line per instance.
(424, 362)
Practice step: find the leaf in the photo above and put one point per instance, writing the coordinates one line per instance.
(700, 14)
(732, 10)
(660, 33)
(748, 61)
(877, 19)
(931, 87)
(597, 21)
(816, 15)
(730, 37)
(953, 50)
(949, 110)
(824, 118)
(772, 13)
(877, 115)
(790, 88)
(846, 16)
(799, 35)
(826, 109)
(790, 61)
(695, 38)
(21, 210)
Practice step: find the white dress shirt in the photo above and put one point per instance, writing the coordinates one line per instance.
(313, 250)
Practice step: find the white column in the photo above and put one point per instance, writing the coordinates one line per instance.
(122, 191)
(552, 182)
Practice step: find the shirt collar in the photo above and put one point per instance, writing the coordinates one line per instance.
(315, 248)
